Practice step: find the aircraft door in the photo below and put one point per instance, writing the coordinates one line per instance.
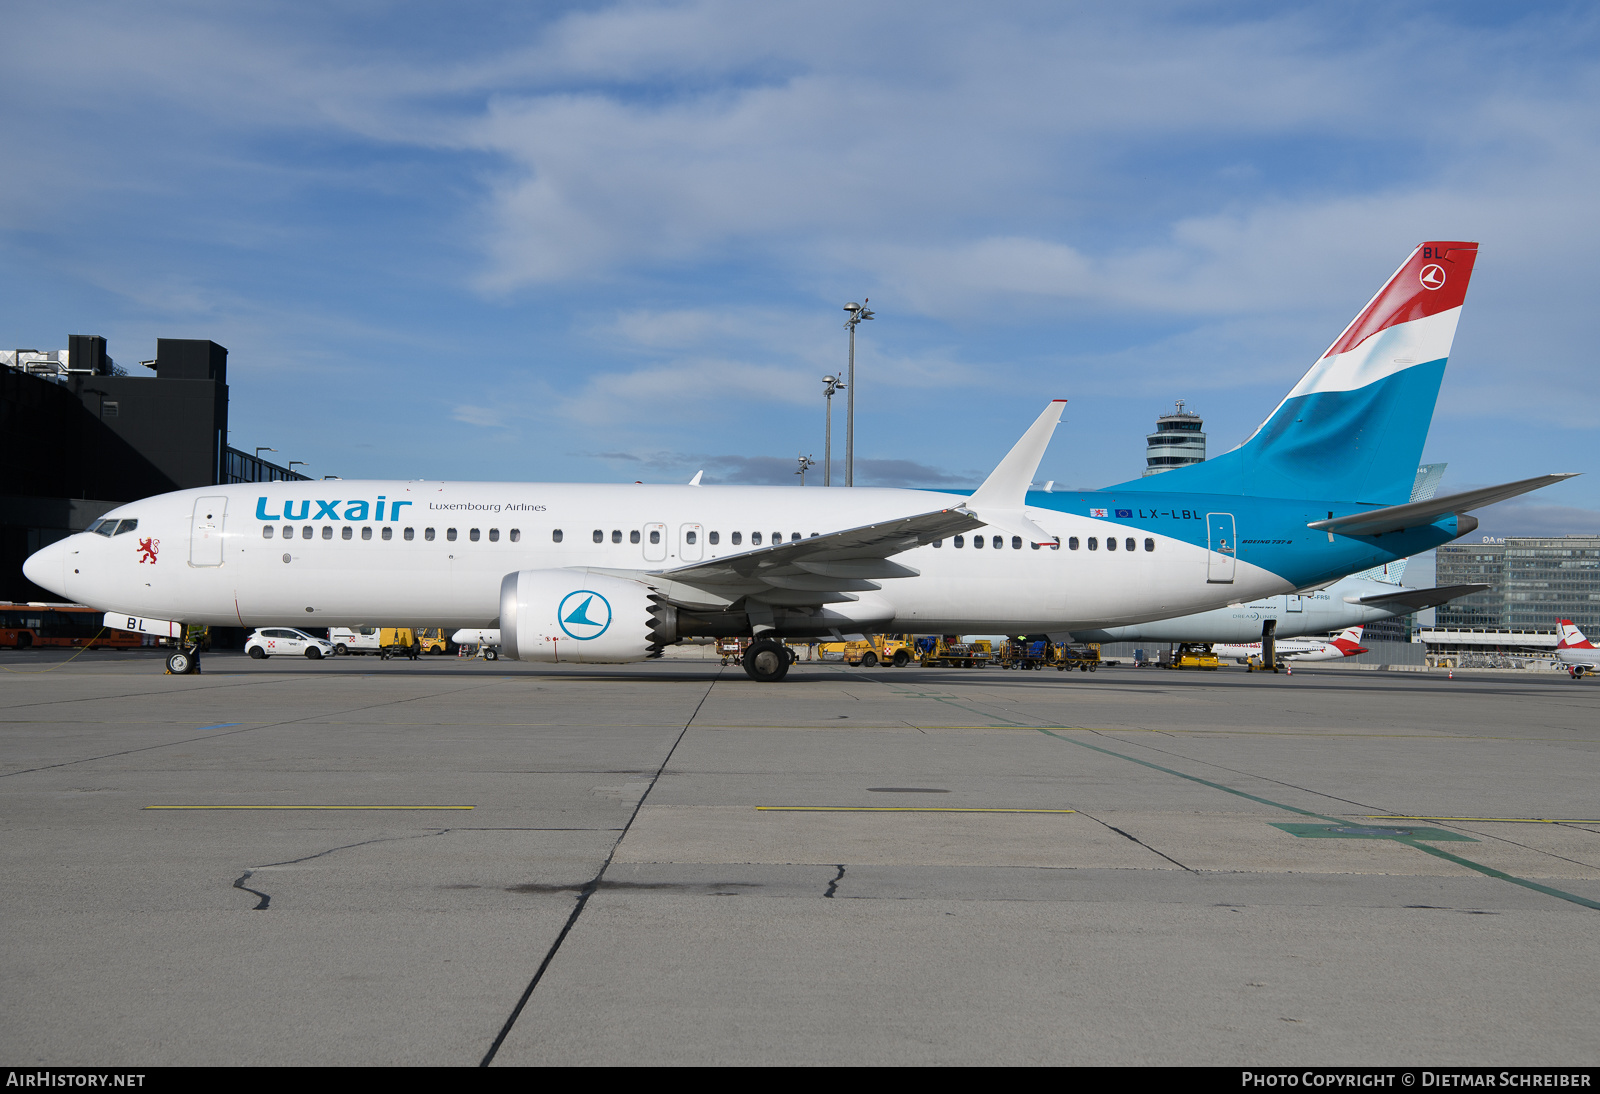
(1297, 603)
(205, 531)
(1224, 549)
(691, 542)
(655, 542)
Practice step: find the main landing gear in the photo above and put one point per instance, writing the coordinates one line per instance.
(767, 660)
(184, 661)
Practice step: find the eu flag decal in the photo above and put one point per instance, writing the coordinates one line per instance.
(1124, 512)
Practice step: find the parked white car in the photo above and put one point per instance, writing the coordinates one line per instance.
(271, 641)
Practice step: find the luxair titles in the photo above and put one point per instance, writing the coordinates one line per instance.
(361, 509)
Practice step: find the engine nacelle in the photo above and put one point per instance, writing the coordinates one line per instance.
(565, 615)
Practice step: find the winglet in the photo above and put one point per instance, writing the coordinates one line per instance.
(1000, 500)
(1007, 485)
(696, 480)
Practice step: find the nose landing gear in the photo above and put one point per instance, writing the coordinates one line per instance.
(184, 661)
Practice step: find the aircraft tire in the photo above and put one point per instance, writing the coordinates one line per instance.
(766, 661)
(491, 655)
(180, 662)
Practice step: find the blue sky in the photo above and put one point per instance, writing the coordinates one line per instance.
(607, 242)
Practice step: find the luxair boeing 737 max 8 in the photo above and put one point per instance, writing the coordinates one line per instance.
(614, 573)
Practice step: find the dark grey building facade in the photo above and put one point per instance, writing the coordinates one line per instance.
(1536, 581)
(82, 437)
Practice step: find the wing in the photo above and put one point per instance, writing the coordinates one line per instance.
(826, 569)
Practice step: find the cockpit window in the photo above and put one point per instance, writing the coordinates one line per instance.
(125, 527)
(102, 527)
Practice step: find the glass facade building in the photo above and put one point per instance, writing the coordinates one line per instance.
(1536, 581)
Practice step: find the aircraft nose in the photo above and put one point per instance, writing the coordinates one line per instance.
(47, 568)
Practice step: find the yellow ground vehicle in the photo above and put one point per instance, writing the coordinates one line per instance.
(434, 640)
(948, 651)
(386, 642)
(880, 649)
(1190, 655)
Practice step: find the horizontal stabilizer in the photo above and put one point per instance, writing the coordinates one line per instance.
(1415, 600)
(1415, 514)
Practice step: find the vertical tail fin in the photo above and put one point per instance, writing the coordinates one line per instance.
(1572, 638)
(1423, 487)
(1353, 427)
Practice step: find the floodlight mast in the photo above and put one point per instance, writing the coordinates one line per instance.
(858, 312)
(831, 384)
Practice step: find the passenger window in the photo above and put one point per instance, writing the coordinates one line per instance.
(633, 536)
(473, 535)
(1149, 545)
(494, 535)
(712, 537)
(977, 543)
(998, 542)
(1016, 543)
(410, 534)
(327, 532)
(737, 538)
(616, 535)
(959, 541)
(1094, 544)
(688, 537)
(388, 533)
(938, 543)
(755, 539)
(427, 535)
(777, 538)
(450, 534)
(266, 531)
(347, 533)
(1127, 544)
(599, 536)
(655, 536)
(366, 533)
(1072, 543)
(1111, 543)
(516, 535)
(794, 537)
(1036, 546)
(555, 536)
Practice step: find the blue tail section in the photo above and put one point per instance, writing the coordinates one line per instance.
(1354, 426)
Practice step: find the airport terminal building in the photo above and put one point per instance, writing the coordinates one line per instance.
(82, 436)
(1535, 582)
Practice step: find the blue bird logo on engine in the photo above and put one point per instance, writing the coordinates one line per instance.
(584, 614)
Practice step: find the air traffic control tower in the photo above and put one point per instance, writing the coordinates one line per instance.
(1177, 442)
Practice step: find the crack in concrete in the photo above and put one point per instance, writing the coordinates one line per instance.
(833, 886)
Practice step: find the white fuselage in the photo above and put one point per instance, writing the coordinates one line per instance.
(1320, 612)
(438, 552)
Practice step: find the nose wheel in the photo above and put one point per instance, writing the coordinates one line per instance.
(767, 661)
(184, 661)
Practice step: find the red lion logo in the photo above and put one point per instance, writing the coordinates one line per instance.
(148, 549)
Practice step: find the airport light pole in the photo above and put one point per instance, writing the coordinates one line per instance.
(858, 312)
(833, 383)
(302, 463)
(263, 448)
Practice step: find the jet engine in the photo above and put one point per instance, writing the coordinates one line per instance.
(567, 615)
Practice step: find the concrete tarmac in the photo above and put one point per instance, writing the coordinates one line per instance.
(669, 863)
